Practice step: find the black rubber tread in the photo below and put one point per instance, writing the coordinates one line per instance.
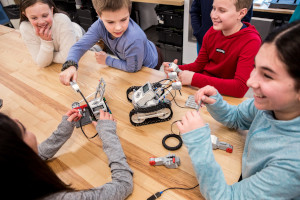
(130, 90)
(148, 110)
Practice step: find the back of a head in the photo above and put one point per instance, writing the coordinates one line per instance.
(240, 4)
(109, 5)
(25, 175)
(287, 42)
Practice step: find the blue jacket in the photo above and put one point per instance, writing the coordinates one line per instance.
(133, 49)
(270, 161)
(200, 18)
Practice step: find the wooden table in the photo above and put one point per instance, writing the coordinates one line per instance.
(264, 7)
(5, 29)
(36, 97)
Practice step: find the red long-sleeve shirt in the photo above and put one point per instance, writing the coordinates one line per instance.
(226, 62)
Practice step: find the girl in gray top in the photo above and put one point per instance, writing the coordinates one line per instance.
(27, 176)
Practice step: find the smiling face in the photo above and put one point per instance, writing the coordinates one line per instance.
(274, 89)
(225, 17)
(40, 15)
(116, 22)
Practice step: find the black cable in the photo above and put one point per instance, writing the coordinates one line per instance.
(158, 194)
(176, 102)
(166, 79)
(179, 188)
(89, 108)
(172, 126)
(84, 132)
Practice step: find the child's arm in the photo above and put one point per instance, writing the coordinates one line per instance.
(40, 50)
(50, 146)
(93, 35)
(122, 183)
(200, 62)
(235, 87)
(134, 56)
(237, 117)
(275, 181)
(67, 38)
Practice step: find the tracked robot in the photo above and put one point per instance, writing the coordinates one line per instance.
(150, 102)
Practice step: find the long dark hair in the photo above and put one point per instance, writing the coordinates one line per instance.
(23, 173)
(287, 42)
(27, 3)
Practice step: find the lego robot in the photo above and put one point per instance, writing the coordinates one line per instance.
(150, 102)
(90, 110)
(170, 161)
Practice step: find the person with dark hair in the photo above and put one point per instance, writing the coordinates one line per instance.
(270, 161)
(47, 32)
(121, 34)
(22, 161)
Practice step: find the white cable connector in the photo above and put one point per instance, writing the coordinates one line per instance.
(74, 86)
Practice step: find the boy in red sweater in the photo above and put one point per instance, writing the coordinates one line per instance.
(226, 57)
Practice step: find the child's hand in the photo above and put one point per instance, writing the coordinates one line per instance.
(204, 93)
(100, 57)
(44, 33)
(74, 115)
(104, 116)
(186, 77)
(167, 69)
(69, 74)
(190, 121)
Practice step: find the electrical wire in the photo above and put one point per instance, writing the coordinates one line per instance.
(172, 127)
(176, 102)
(91, 113)
(84, 132)
(158, 194)
(179, 188)
(166, 79)
(88, 106)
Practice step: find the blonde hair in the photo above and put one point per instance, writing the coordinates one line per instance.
(111, 5)
(240, 4)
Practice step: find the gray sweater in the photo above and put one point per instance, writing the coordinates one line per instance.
(121, 185)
